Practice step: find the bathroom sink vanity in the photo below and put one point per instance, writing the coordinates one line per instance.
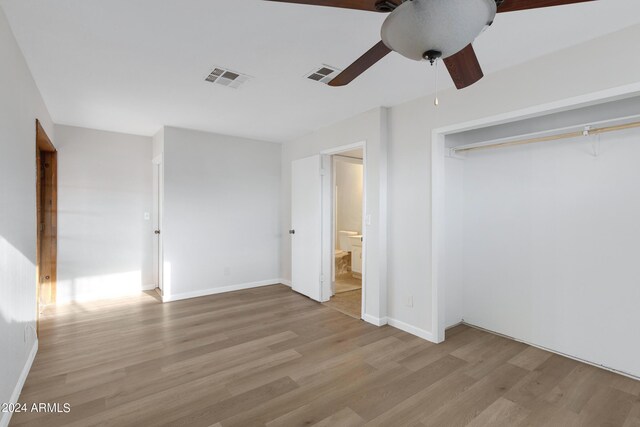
(356, 255)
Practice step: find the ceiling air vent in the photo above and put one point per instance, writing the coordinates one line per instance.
(227, 78)
(324, 74)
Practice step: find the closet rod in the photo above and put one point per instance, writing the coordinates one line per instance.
(586, 132)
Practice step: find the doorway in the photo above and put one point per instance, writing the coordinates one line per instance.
(314, 232)
(347, 197)
(47, 220)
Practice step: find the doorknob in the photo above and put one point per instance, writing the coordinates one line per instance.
(292, 231)
(156, 232)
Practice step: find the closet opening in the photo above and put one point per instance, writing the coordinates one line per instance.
(535, 229)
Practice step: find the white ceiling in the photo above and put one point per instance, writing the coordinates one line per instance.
(135, 65)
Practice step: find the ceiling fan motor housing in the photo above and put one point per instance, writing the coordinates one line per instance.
(447, 26)
(386, 6)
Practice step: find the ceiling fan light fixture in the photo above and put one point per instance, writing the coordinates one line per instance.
(432, 55)
(419, 26)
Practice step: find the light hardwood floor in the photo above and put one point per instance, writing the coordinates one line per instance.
(268, 356)
(346, 282)
(349, 303)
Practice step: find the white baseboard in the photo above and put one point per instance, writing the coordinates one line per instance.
(413, 330)
(149, 287)
(376, 321)
(220, 290)
(286, 282)
(6, 416)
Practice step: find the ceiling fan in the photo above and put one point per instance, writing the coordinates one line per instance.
(430, 30)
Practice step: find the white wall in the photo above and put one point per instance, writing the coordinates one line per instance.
(20, 105)
(349, 184)
(565, 74)
(221, 224)
(372, 128)
(104, 190)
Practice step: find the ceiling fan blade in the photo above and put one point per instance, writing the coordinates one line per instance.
(361, 65)
(514, 5)
(464, 67)
(371, 5)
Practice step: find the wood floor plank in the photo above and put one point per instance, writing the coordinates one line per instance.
(633, 420)
(546, 415)
(472, 402)
(343, 418)
(575, 390)
(376, 401)
(530, 358)
(268, 356)
(236, 404)
(349, 303)
(424, 403)
(501, 413)
(541, 381)
(608, 407)
(322, 401)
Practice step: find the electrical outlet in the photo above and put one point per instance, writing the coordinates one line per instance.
(147, 216)
(410, 301)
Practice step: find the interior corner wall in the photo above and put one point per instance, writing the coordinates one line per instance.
(221, 216)
(564, 74)
(371, 127)
(104, 191)
(20, 105)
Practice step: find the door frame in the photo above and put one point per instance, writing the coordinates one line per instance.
(46, 220)
(328, 230)
(158, 186)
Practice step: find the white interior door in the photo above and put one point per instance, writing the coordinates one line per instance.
(306, 226)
